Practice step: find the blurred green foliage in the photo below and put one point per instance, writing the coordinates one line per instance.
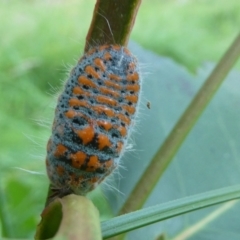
(40, 39)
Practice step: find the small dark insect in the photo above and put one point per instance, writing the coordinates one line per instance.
(148, 105)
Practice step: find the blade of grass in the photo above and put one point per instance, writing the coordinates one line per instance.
(146, 216)
(173, 142)
(7, 228)
(190, 231)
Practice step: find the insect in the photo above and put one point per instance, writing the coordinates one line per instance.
(93, 119)
(148, 105)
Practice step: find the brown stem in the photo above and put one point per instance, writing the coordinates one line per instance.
(112, 22)
(173, 142)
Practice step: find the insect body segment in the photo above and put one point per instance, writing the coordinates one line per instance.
(93, 119)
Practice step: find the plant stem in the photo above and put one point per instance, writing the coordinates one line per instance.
(173, 142)
(112, 22)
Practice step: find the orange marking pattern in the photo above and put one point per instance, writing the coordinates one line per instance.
(78, 91)
(129, 109)
(107, 56)
(119, 147)
(99, 63)
(123, 131)
(60, 170)
(124, 118)
(86, 81)
(106, 100)
(127, 51)
(113, 85)
(78, 159)
(103, 141)
(133, 77)
(102, 109)
(74, 102)
(86, 134)
(114, 77)
(131, 66)
(91, 51)
(134, 88)
(94, 179)
(92, 164)
(108, 91)
(105, 124)
(132, 98)
(116, 47)
(103, 47)
(60, 150)
(70, 114)
(90, 70)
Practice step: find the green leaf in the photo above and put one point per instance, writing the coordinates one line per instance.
(209, 157)
(164, 211)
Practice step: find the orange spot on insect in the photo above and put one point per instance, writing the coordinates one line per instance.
(134, 88)
(113, 85)
(132, 98)
(70, 114)
(107, 91)
(60, 170)
(114, 77)
(116, 47)
(106, 100)
(92, 164)
(90, 70)
(74, 102)
(60, 150)
(78, 91)
(127, 51)
(119, 147)
(109, 163)
(123, 131)
(86, 134)
(78, 159)
(103, 109)
(129, 109)
(107, 56)
(75, 180)
(103, 141)
(103, 47)
(133, 77)
(124, 118)
(131, 66)
(99, 63)
(94, 179)
(86, 82)
(90, 52)
(105, 124)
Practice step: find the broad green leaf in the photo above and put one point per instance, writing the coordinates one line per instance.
(208, 159)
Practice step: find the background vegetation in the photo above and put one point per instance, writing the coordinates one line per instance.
(39, 43)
